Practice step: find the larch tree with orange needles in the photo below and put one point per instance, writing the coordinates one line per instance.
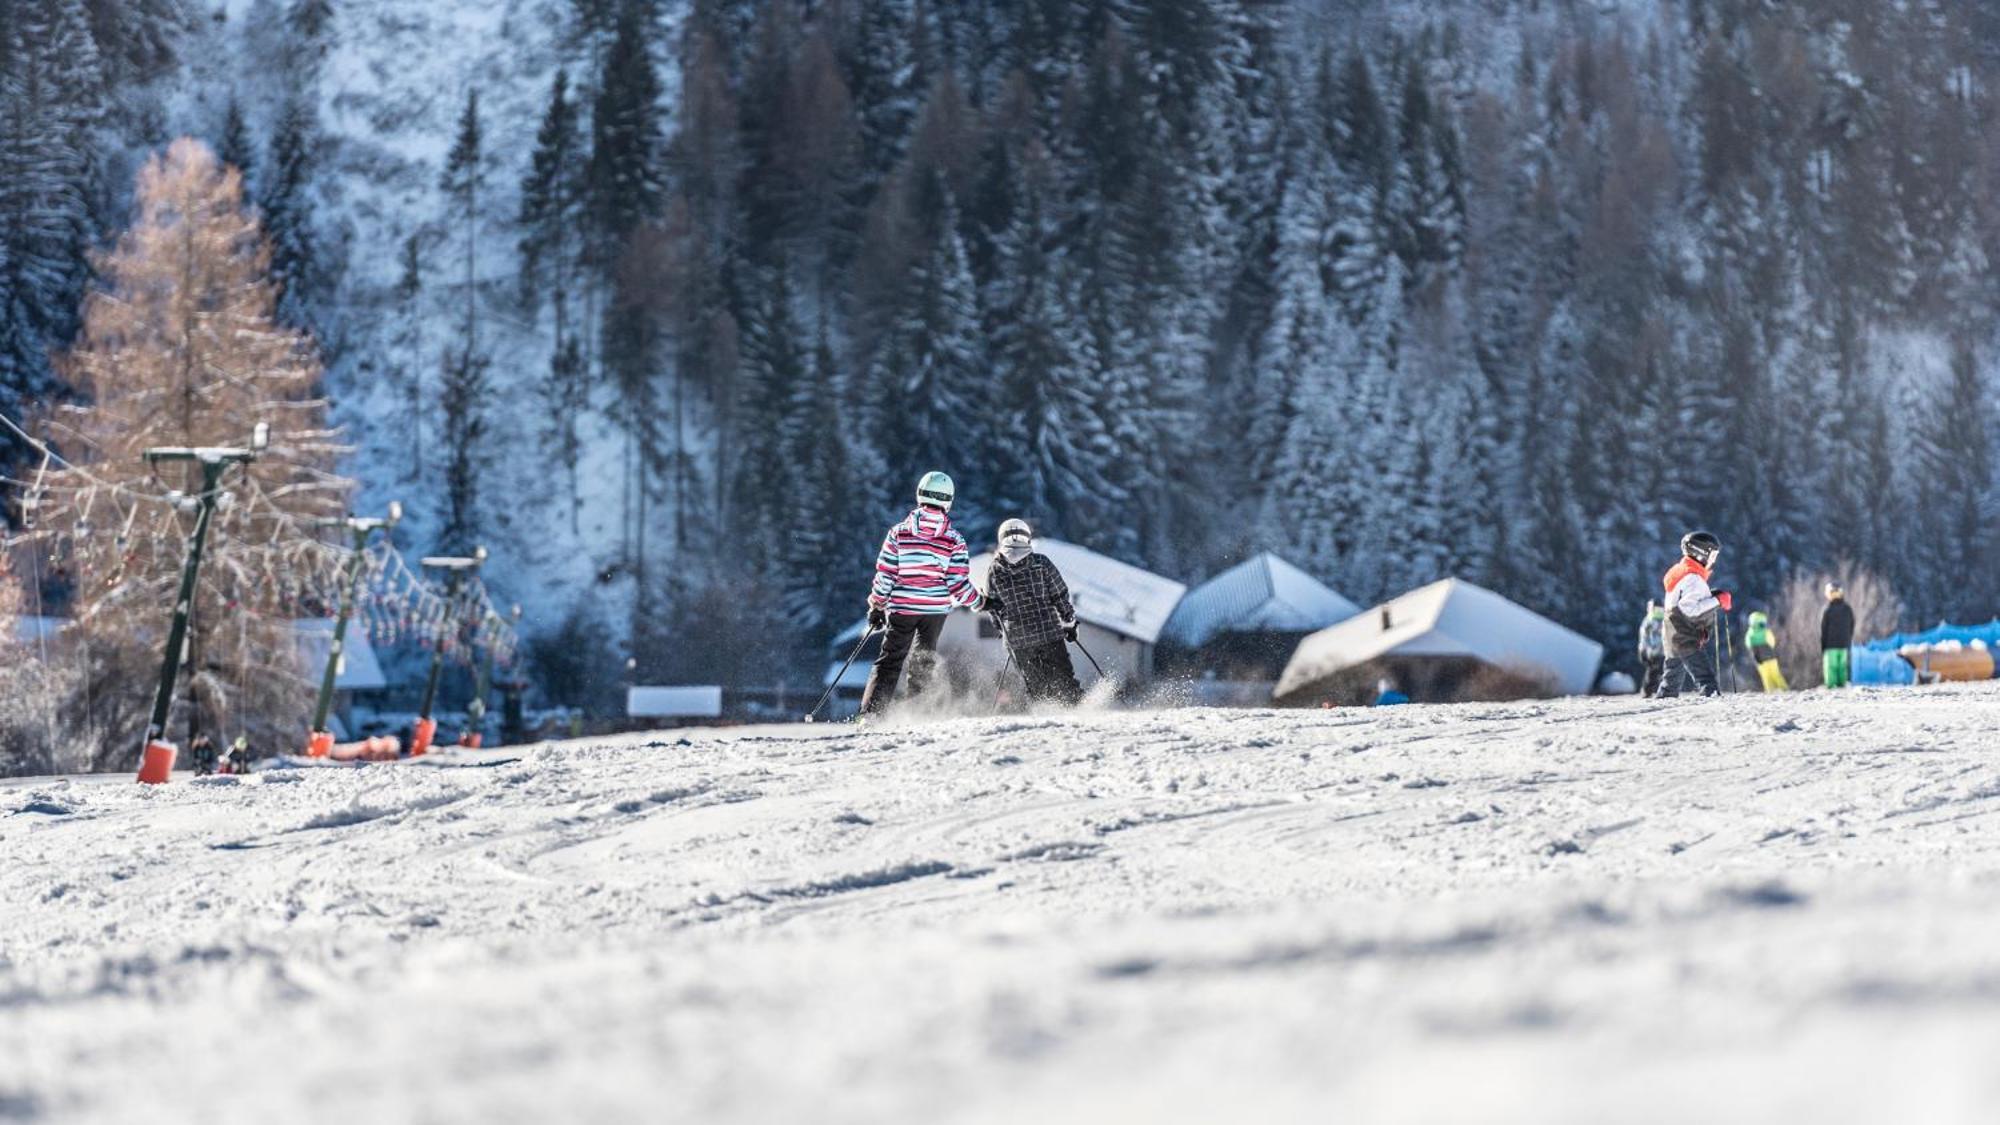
(180, 346)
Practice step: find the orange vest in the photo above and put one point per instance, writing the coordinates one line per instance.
(1681, 570)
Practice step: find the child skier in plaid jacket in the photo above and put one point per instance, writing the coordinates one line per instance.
(1026, 594)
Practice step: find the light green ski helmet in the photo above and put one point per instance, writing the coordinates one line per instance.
(1759, 619)
(936, 490)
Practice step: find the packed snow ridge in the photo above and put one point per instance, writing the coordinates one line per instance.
(1758, 908)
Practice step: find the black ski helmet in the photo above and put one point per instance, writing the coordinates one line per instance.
(1701, 546)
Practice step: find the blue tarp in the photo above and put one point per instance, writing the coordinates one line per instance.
(1988, 634)
(1868, 666)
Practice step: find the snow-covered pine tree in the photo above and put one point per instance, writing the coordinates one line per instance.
(884, 79)
(1047, 441)
(465, 387)
(818, 508)
(137, 39)
(550, 221)
(551, 208)
(624, 191)
(288, 202)
(407, 360)
(624, 181)
(309, 26)
(461, 182)
(1958, 494)
(1300, 373)
(927, 375)
(775, 364)
(233, 145)
(1427, 195)
(51, 105)
(1364, 154)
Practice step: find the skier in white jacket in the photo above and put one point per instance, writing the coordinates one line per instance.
(1691, 611)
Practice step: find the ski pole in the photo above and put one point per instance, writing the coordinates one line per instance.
(1723, 616)
(838, 676)
(1000, 684)
(1086, 655)
(1729, 644)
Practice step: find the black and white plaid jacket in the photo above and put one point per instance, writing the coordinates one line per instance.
(1035, 603)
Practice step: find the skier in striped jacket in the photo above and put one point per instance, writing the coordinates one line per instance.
(923, 572)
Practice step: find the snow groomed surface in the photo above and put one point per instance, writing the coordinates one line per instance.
(1753, 909)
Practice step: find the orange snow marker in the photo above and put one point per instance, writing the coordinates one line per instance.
(158, 764)
(420, 739)
(320, 744)
(471, 739)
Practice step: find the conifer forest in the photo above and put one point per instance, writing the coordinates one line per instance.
(668, 303)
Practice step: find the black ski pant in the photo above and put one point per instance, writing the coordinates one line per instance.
(1048, 674)
(905, 630)
(1697, 667)
(1649, 683)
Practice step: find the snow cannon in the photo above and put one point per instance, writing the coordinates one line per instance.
(320, 744)
(158, 763)
(420, 738)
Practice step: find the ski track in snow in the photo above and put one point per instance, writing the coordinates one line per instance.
(1587, 910)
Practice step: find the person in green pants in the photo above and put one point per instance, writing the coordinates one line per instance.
(1836, 635)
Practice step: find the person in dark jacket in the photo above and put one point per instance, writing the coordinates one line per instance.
(1836, 635)
(1691, 612)
(202, 748)
(1029, 600)
(1652, 647)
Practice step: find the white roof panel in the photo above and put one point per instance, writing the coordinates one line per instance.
(1448, 618)
(1263, 594)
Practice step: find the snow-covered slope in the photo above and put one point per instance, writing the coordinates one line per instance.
(1758, 909)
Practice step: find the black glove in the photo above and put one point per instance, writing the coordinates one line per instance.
(877, 617)
(1069, 630)
(993, 604)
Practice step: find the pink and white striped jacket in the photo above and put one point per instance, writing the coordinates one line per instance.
(924, 567)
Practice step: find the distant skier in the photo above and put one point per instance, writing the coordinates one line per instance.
(1763, 646)
(202, 748)
(1652, 647)
(1387, 694)
(1691, 610)
(1027, 596)
(921, 575)
(1836, 636)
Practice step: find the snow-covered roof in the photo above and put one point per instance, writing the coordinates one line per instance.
(359, 668)
(1448, 618)
(1109, 594)
(1263, 594)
